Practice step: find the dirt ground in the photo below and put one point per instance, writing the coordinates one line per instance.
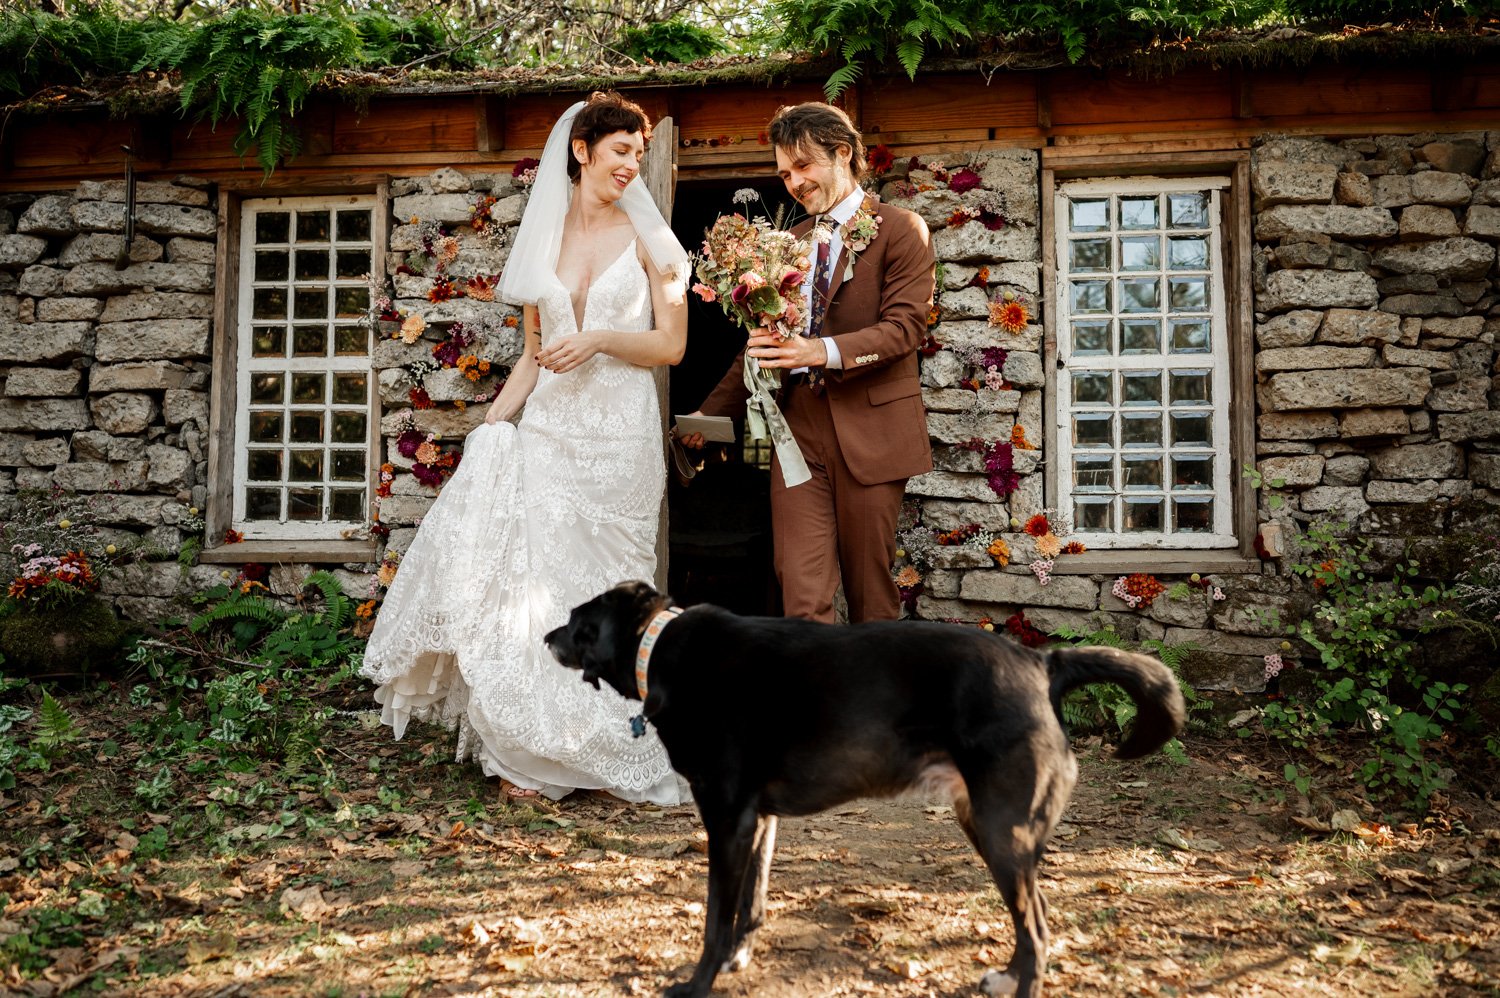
(399, 873)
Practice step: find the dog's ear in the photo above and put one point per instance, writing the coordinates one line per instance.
(639, 602)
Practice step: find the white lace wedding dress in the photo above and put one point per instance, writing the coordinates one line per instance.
(537, 519)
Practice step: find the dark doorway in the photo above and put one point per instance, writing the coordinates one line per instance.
(720, 523)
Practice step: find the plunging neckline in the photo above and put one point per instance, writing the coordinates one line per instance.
(579, 323)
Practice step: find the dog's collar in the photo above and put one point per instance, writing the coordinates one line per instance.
(648, 641)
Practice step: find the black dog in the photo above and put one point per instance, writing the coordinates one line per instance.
(769, 716)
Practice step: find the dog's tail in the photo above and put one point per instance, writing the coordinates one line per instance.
(1160, 709)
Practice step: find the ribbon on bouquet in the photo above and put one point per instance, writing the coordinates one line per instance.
(764, 421)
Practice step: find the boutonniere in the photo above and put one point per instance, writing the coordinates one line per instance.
(860, 231)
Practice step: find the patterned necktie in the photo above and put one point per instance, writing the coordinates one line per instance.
(822, 278)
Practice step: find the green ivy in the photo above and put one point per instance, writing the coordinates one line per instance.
(1369, 690)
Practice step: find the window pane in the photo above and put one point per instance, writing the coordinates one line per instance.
(1090, 296)
(1192, 516)
(1092, 515)
(304, 504)
(271, 226)
(1138, 212)
(1142, 515)
(268, 303)
(1193, 428)
(312, 303)
(262, 504)
(1138, 295)
(349, 465)
(1093, 473)
(1093, 431)
(1089, 215)
(307, 466)
(312, 265)
(309, 387)
(1088, 254)
(350, 389)
(1190, 336)
(1187, 211)
(265, 465)
(350, 302)
(351, 341)
(347, 504)
(1141, 430)
(354, 226)
(1092, 387)
(1142, 472)
(1193, 471)
(267, 388)
(312, 226)
(353, 263)
(1140, 336)
(307, 427)
(1190, 388)
(1189, 252)
(1140, 253)
(1091, 337)
(268, 341)
(310, 341)
(1189, 294)
(1142, 387)
(265, 427)
(348, 427)
(270, 265)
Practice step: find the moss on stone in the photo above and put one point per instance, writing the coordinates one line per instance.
(73, 638)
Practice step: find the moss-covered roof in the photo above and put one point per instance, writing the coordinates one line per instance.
(1266, 48)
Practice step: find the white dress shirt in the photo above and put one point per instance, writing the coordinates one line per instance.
(839, 215)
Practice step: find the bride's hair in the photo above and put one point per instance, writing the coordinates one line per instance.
(605, 113)
(821, 127)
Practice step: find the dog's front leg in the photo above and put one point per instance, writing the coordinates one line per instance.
(752, 908)
(731, 834)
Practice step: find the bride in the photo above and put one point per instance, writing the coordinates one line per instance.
(547, 513)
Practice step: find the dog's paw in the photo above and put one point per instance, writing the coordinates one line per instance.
(687, 989)
(738, 961)
(998, 983)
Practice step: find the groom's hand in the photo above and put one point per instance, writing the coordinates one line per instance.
(693, 441)
(793, 352)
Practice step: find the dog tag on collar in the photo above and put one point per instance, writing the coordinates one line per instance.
(638, 725)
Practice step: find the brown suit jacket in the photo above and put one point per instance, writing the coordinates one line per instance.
(878, 318)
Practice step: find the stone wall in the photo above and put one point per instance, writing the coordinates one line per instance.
(106, 367)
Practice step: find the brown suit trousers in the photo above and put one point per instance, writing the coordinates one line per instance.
(863, 437)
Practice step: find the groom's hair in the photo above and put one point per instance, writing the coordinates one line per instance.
(605, 113)
(819, 126)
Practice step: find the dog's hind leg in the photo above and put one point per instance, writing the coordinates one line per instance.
(731, 836)
(752, 910)
(1008, 818)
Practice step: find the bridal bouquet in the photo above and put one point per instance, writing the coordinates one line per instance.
(754, 269)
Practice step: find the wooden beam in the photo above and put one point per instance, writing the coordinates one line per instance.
(219, 509)
(489, 124)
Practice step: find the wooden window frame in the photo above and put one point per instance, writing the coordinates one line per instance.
(224, 396)
(1056, 167)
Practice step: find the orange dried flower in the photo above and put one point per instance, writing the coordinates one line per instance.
(365, 609)
(1010, 316)
(1000, 551)
(512, 322)
(1048, 545)
(1018, 438)
(908, 577)
(1038, 525)
(233, 537)
(1074, 547)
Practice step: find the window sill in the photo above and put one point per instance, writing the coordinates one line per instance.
(1123, 562)
(289, 552)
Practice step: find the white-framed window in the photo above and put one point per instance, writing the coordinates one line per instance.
(1144, 380)
(304, 430)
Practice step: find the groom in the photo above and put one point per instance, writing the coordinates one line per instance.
(851, 395)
